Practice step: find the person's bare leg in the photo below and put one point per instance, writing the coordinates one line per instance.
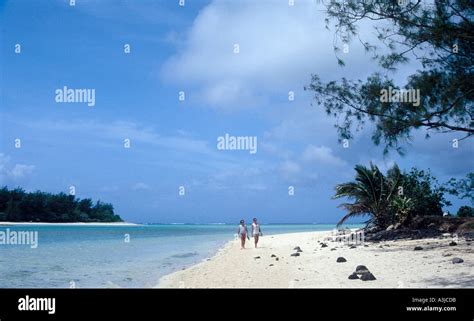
(256, 240)
(242, 242)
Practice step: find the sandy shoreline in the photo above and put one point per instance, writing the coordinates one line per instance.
(395, 264)
(68, 224)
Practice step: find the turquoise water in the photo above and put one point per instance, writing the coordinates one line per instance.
(100, 256)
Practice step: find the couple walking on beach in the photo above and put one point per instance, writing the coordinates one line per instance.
(243, 232)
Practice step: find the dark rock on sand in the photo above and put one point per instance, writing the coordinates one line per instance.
(257, 257)
(361, 269)
(295, 254)
(333, 249)
(367, 276)
(453, 243)
(417, 248)
(341, 259)
(324, 245)
(457, 260)
(273, 255)
(353, 276)
(424, 227)
(352, 247)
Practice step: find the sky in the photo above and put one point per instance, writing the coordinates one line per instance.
(141, 145)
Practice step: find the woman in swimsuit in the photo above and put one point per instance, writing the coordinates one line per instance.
(242, 232)
(256, 231)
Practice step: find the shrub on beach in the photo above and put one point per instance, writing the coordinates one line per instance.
(465, 211)
(396, 197)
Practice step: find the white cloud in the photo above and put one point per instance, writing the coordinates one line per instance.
(279, 47)
(322, 154)
(140, 186)
(21, 170)
(119, 130)
(13, 173)
(290, 171)
(111, 188)
(255, 187)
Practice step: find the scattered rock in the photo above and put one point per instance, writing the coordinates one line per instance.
(367, 276)
(453, 243)
(417, 248)
(457, 260)
(271, 265)
(365, 245)
(353, 276)
(361, 269)
(324, 245)
(257, 257)
(273, 255)
(295, 254)
(381, 246)
(341, 259)
(297, 249)
(352, 247)
(277, 259)
(447, 254)
(333, 249)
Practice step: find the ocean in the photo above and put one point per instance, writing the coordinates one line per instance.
(115, 256)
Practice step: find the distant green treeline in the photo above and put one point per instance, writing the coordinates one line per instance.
(16, 205)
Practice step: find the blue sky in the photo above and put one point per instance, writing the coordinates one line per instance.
(173, 142)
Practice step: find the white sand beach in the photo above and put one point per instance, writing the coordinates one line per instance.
(395, 264)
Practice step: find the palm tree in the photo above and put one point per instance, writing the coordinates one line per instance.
(372, 193)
